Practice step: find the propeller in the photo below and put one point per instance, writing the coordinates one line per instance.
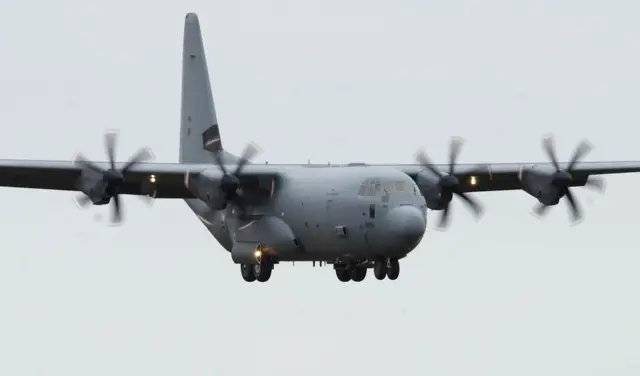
(230, 184)
(449, 183)
(562, 179)
(112, 179)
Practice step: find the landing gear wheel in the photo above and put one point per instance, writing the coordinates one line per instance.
(380, 269)
(343, 274)
(247, 272)
(358, 273)
(393, 269)
(263, 270)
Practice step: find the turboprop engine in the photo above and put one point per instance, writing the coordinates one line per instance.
(549, 185)
(218, 187)
(438, 188)
(100, 186)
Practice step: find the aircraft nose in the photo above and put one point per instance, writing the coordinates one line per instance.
(407, 225)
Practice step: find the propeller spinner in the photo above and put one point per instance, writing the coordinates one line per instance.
(449, 183)
(107, 187)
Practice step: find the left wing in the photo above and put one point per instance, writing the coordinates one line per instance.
(507, 176)
(546, 181)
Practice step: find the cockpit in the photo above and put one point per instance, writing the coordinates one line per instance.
(377, 187)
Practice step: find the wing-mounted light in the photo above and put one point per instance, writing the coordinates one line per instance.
(439, 188)
(550, 184)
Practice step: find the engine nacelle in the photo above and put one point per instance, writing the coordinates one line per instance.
(435, 198)
(268, 235)
(205, 185)
(94, 187)
(537, 182)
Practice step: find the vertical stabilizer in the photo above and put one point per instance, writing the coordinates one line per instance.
(199, 131)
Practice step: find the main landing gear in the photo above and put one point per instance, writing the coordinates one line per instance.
(389, 268)
(346, 273)
(260, 272)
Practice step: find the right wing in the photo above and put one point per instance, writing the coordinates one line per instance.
(167, 180)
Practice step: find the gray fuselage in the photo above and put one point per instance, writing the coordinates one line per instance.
(333, 213)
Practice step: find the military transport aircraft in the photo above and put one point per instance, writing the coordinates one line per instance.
(354, 216)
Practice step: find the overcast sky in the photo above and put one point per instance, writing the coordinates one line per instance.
(332, 81)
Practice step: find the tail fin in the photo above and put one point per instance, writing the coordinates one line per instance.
(199, 132)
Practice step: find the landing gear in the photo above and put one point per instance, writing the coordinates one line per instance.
(343, 274)
(247, 272)
(393, 269)
(358, 273)
(355, 273)
(389, 268)
(380, 269)
(260, 272)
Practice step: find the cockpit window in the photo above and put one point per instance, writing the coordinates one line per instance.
(388, 187)
(375, 187)
(370, 190)
(416, 191)
(378, 191)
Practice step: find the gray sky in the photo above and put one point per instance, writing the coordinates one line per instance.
(332, 81)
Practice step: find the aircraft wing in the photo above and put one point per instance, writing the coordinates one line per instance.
(506, 176)
(167, 180)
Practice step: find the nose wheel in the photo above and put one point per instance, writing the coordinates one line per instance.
(389, 268)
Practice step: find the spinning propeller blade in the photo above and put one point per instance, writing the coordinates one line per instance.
(230, 184)
(562, 179)
(449, 183)
(112, 178)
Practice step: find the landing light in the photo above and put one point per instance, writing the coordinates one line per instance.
(152, 179)
(473, 180)
(257, 253)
